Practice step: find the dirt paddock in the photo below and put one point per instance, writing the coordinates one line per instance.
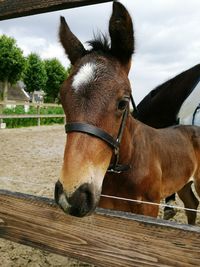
(30, 162)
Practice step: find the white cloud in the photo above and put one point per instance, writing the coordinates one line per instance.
(31, 44)
(52, 51)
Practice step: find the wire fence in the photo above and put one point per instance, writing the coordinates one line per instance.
(161, 205)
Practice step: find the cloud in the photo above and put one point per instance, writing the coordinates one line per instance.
(167, 36)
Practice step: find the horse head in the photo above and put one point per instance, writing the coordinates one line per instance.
(97, 94)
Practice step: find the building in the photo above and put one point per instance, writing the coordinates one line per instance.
(16, 93)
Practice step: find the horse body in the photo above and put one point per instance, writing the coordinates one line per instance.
(176, 101)
(96, 99)
(157, 166)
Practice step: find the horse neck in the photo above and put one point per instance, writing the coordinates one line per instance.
(126, 147)
(135, 134)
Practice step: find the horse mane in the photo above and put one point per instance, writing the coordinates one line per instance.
(100, 43)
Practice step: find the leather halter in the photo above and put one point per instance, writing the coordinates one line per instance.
(90, 129)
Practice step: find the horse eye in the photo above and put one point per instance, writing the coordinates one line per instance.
(122, 104)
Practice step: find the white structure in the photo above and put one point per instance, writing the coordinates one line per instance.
(189, 108)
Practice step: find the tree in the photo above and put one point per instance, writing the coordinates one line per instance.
(56, 74)
(12, 63)
(35, 75)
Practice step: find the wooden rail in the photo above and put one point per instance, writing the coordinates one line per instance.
(37, 116)
(107, 238)
(23, 103)
(31, 116)
(27, 116)
(18, 8)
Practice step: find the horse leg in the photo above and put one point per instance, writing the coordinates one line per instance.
(190, 201)
(169, 212)
(152, 195)
(149, 210)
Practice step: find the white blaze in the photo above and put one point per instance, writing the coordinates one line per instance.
(85, 75)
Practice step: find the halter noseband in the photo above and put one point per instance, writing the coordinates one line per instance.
(90, 129)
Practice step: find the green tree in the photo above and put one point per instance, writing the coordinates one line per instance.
(56, 74)
(35, 75)
(12, 63)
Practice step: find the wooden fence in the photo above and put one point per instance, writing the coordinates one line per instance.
(18, 8)
(107, 238)
(37, 116)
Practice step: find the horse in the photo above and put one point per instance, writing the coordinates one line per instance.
(175, 101)
(107, 151)
(162, 106)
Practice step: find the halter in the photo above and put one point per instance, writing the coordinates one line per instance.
(90, 129)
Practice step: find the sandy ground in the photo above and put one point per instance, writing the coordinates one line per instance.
(30, 162)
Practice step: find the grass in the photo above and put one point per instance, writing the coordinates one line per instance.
(25, 122)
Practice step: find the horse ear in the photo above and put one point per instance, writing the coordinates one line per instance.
(121, 34)
(73, 47)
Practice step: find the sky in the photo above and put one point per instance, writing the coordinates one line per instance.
(167, 36)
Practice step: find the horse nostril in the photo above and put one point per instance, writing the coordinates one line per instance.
(82, 201)
(58, 191)
(61, 198)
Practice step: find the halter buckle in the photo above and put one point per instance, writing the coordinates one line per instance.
(118, 168)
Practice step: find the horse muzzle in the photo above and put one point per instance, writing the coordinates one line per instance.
(80, 203)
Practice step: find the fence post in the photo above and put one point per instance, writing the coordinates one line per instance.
(38, 112)
(2, 124)
(1, 112)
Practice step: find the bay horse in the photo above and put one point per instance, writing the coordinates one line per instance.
(175, 101)
(108, 151)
